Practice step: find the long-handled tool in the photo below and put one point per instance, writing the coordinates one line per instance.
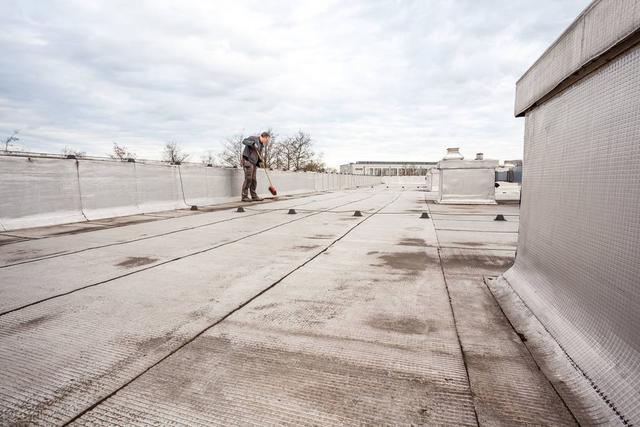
(272, 189)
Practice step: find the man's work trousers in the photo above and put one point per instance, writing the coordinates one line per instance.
(250, 181)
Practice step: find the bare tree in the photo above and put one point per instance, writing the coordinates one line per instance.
(120, 152)
(277, 155)
(173, 153)
(70, 151)
(9, 141)
(233, 147)
(208, 158)
(291, 153)
(299, 150)
(314, 166)
(231, 155)
(272, 152)
(288, 153)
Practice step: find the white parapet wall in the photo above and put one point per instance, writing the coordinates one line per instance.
(108, 188)
(36, 192)
(158, 187)
(204, 185)
(39, 191)
(578, 261)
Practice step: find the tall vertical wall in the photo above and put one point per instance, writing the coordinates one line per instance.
(578, 262)
(44, 191)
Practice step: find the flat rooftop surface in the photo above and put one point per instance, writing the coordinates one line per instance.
(265, 317)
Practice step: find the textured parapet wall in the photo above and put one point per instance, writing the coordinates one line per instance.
(45, 191)
(38, 192)
(578, 261)
(601, 26)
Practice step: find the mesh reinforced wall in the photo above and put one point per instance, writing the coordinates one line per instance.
(578, 260)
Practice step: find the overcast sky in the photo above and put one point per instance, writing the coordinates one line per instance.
(370, 80)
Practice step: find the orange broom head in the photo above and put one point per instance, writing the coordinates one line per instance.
(272, 190)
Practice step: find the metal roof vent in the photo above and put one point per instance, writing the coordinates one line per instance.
(453, 154)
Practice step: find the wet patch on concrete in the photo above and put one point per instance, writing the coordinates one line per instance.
(321, 236)
(265, 306)
(85, 229)
(400, 324)
(472, 261)
(133, 261)
(198, 314)
(56, 230)
(124, 221)
(23, 254)
(149, 344)
(27, 325)
(522, 336)
(412, 242)
(306, 247)
(407, 262)
(30, 254)
(6, 239)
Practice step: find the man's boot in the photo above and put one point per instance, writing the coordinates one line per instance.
(245, 198)
(256, 198)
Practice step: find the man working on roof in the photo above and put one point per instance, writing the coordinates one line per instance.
(252, 159)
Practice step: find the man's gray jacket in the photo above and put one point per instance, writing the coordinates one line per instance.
(252, 145)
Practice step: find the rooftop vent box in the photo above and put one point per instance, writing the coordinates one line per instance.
(465, 182)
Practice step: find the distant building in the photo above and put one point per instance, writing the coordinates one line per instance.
(387, 168)
(510, 172)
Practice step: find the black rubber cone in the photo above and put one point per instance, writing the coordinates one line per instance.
(240, 209)
(424, 215)
(499, 217)
(357, 213)
(291, 212)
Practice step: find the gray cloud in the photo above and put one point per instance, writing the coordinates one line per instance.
(369, 79)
